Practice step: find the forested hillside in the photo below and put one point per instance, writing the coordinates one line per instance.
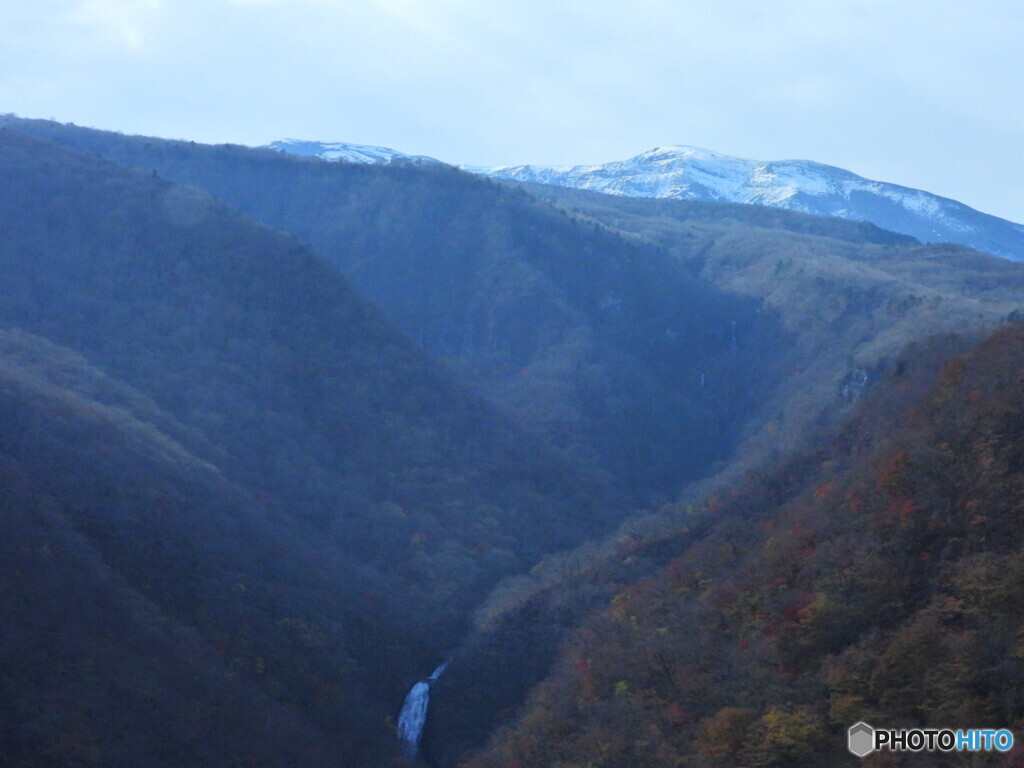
(636, 321)
(154, 614)
(608, 349)
(245, 508)
(848, 295)
(201, 413)
(876, 578)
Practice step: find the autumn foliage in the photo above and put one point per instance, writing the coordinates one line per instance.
(886, 587)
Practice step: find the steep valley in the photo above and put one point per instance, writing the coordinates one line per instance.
(280, 436)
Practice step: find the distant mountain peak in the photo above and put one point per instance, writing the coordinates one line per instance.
(342, 152)
(691, 173)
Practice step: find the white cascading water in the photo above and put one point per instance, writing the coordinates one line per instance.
(414, 713)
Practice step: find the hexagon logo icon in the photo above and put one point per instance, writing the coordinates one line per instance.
(861, 739)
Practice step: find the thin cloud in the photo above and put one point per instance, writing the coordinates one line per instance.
(124, 22)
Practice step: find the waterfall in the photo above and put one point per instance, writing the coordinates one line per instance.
(414, 713)
(412, 717)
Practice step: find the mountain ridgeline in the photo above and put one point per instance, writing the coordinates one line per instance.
(351, 501)
(604, 347)
(689, 173)
(669, 483)
(650, 339)
(693, 174)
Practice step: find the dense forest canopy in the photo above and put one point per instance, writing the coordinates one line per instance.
(876, 578)
(633, 322)
(278, 436)
(379, 500)
(606, 348)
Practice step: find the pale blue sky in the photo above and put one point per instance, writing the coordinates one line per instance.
(928, 94)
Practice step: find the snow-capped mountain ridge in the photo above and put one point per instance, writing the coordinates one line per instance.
(346, 153)
(691, 173)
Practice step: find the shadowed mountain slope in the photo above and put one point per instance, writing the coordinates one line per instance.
(875, 578)
(601, 344)
(140, 589)
(605, 348)
(219, 427)
(850, 296)
(647, 342)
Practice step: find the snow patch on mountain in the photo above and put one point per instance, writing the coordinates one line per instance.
(340, 152)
